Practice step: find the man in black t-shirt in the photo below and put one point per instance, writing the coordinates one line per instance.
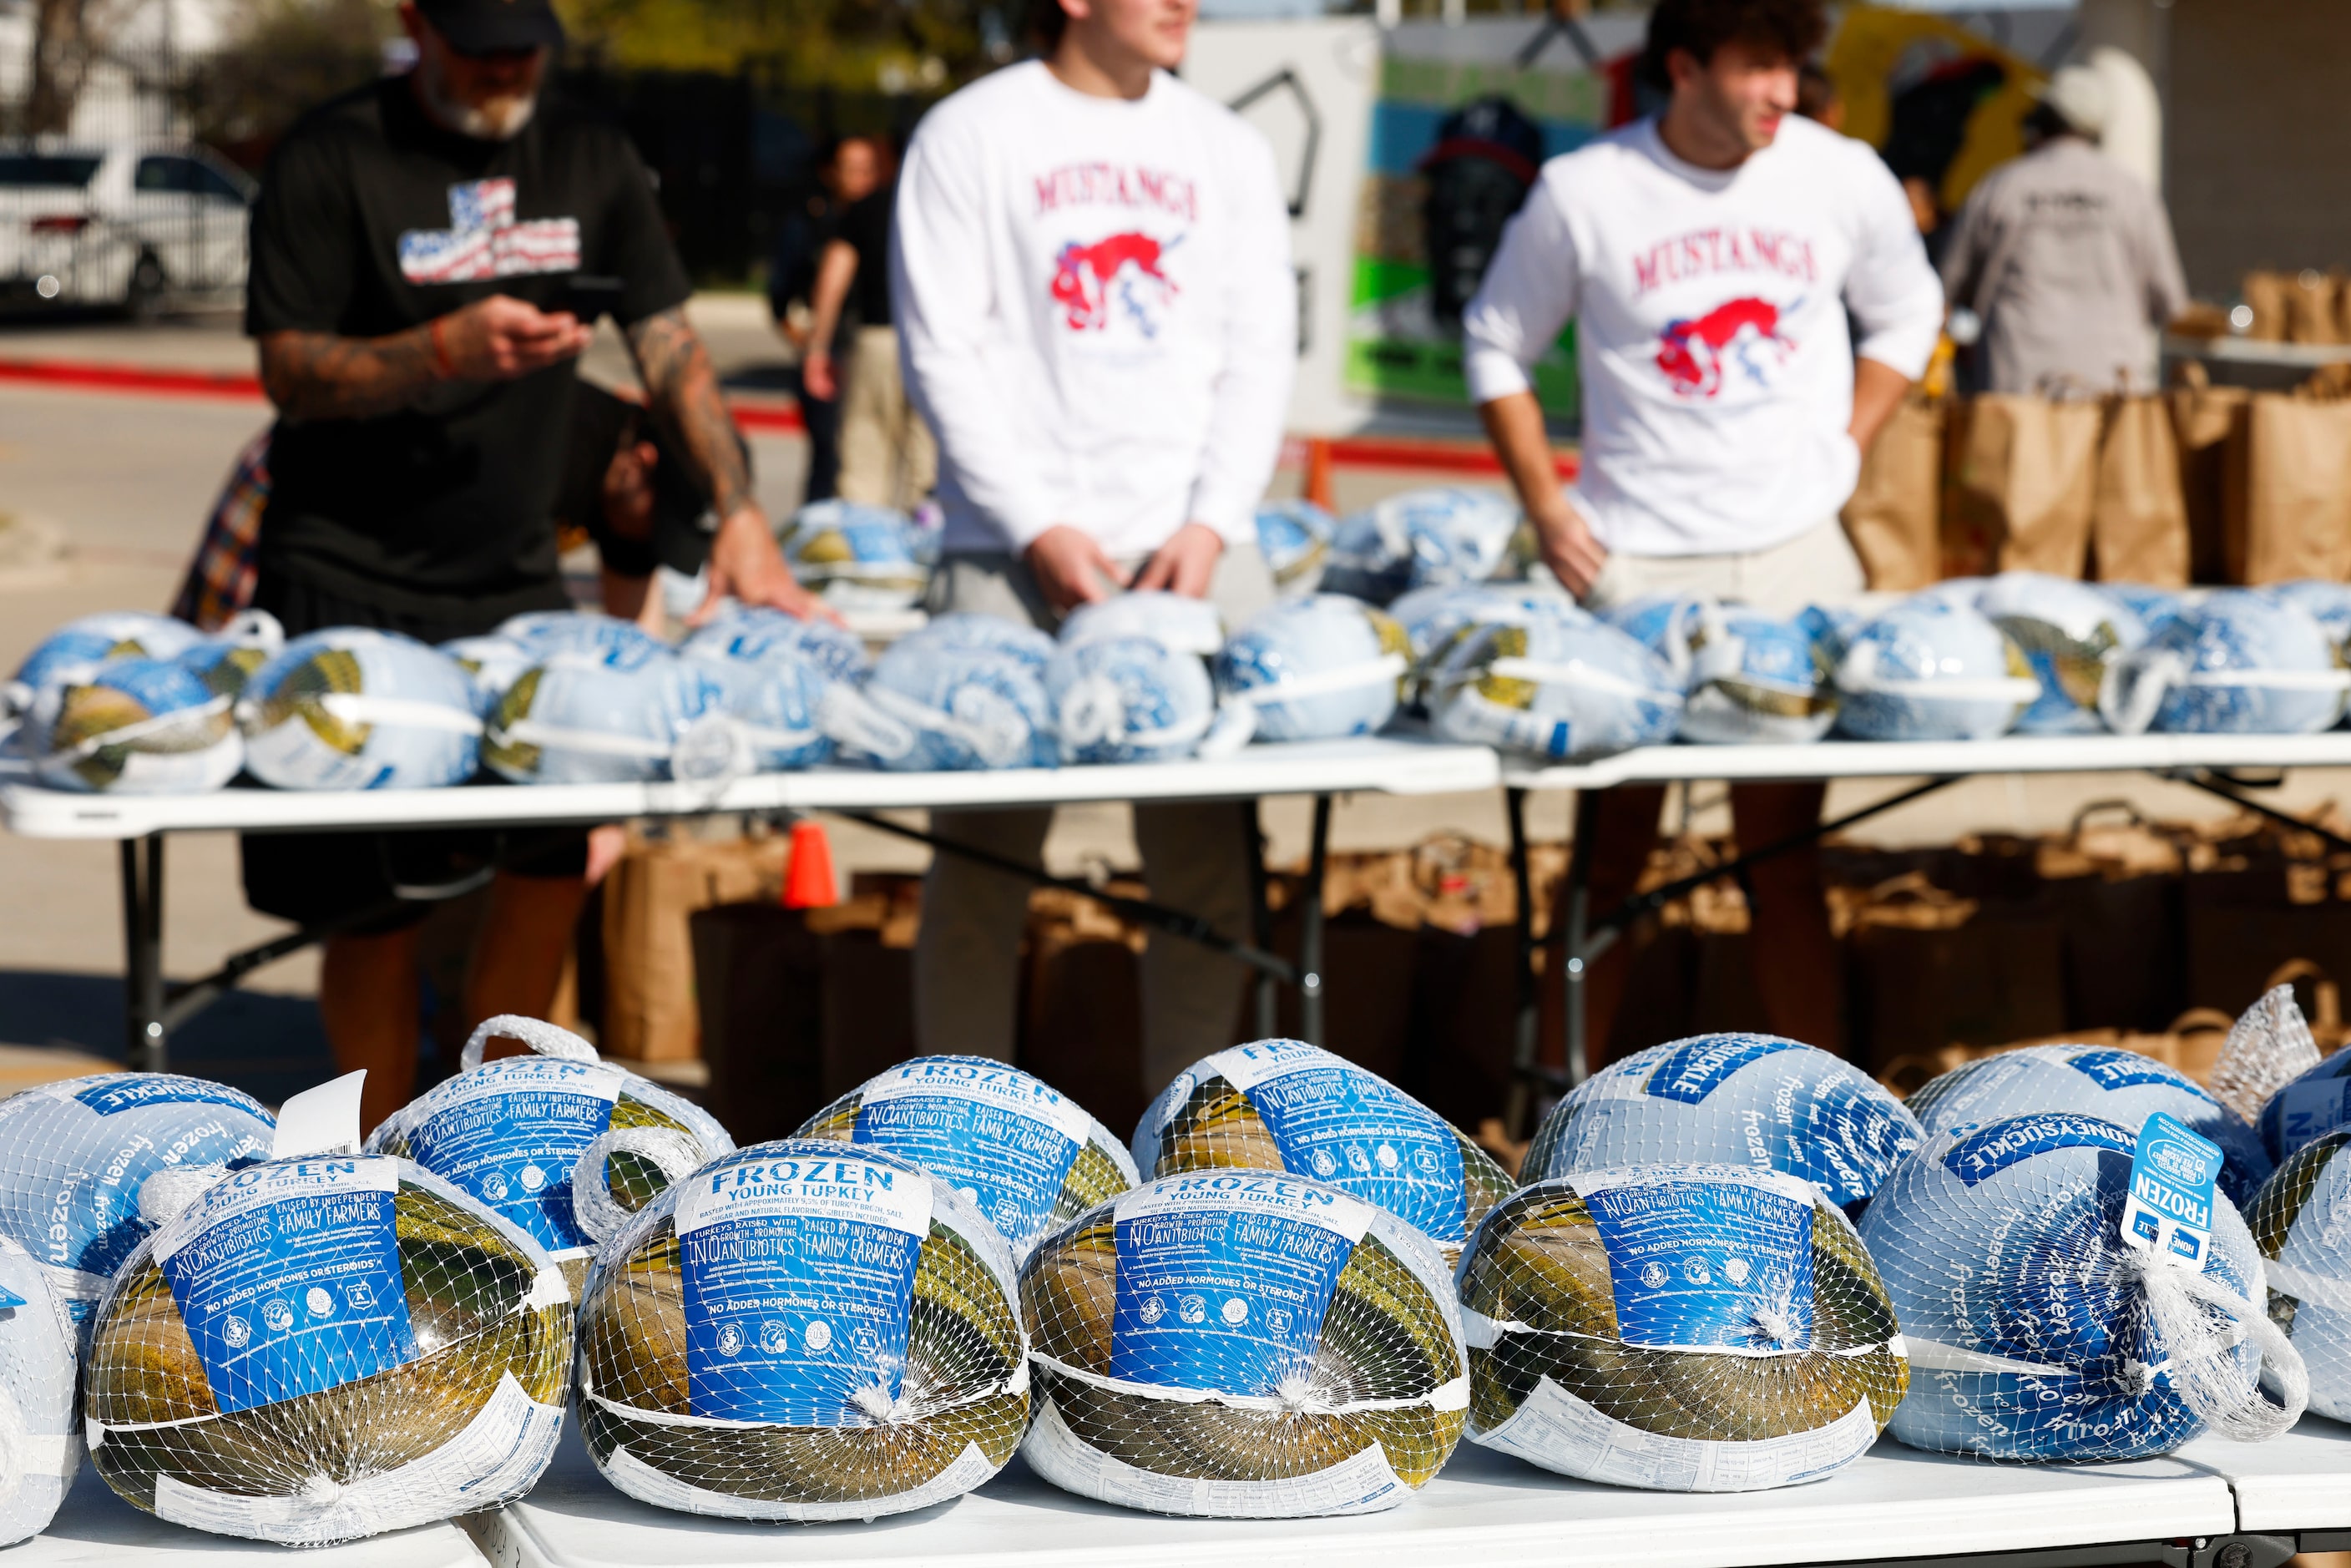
(851, 167)
(887, 456)
(412, 289)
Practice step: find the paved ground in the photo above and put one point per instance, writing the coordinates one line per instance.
(124, 481)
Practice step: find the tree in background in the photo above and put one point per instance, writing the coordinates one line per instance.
(280, 57)
(854, 44)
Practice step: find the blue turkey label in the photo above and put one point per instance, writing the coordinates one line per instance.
(1337, 1124)
(2170, 1211)
(1692, 1072)
(134, 1091)
(1722, 1262)
(287, 1276)
(2309, 1108)
(799, 1274)
(9, 1298)
(2128, 1070)
(509, 1132)
(1842, 1135)
(1987, 1151)
(1004, 1139)
(1224, 1277)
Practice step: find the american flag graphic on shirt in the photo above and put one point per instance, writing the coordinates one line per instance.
(483, 239)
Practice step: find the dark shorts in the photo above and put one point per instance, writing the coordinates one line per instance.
(312, 879)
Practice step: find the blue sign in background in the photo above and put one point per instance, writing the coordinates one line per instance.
(1707, 1263)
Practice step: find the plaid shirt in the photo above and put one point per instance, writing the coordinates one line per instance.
(220, 579)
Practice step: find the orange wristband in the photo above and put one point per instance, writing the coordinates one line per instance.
(441, 361)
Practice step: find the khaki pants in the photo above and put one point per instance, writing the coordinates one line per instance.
(887, 456)
(1195, 856)
(1816, 567)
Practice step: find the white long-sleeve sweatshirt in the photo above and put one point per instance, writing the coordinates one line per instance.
(1096, 311)
(1711, 343)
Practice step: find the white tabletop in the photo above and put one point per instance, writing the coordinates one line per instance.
(1485, 1507)
(97, 1529)
(1915, 758)
(1381, 764)
(2299, 1481)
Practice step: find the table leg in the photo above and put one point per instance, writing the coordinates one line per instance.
(1574, 947)
(1261, 988)
(1524, 1044)
(1309, 927)
(142, 969)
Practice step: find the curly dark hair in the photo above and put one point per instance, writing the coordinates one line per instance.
(1791, 28)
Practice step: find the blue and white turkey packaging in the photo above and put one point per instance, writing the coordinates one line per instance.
(1286, 1105)
(327, 1346)
(2153, 606)
(2119, 1086)
(350, 708)
(41, 1430)
(1422, 539)
(1295, 538)
(1319, 668)
(2317, 1101)
(752, 632)
(2301, 1222)
(1135, 700)
(1242, 1344)
(1757, 1100)
(1027, 1156)
(509, 1134)
(81, 645)
(227, 658)
(2328, 604)
(803, 1330)
(73, 1155)
(2071, 635)
(1932, 668)
(1434, 619)
(1679, 1328)
(970, 631)
(856, 555)
(2071, 1290)
(132, 727)
(962, 697)
(2239, 662)
(1560, 690)
(1177, 621)
(491, 664)
(1747, 677)
(785, 709)
(624, 711)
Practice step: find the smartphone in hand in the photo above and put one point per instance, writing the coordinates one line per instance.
(588, 297)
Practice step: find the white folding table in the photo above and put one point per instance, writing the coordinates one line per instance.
(2215, 763)
(2293, 1493)
(1895, 1505)
(1386, 765)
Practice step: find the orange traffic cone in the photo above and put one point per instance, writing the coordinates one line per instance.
(809, 881)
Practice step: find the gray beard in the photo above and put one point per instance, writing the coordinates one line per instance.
(501, 123)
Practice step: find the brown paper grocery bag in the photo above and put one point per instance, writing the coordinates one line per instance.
(2310, 309)
(2205, 421)
(2024, 486)
(2265, 295)
(2288, 488)
(1895, 517)
(650, 1011)
(2138, 523)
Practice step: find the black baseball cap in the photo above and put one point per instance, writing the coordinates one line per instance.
(494, 26)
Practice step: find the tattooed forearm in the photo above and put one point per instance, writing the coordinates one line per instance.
(684, 392)
(317, 375)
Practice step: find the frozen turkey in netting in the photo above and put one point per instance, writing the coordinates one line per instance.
(1678, 1327)
(491, 664)
(1295, 538)
(1434, 619)
(2071, 635)
(2301, 1222)
(81, 645)
(1177, 621)
(510, 1132)
(1318, 668)
(1557, 689)
(1135, 700)
(623, 712)
(2239, 662)
(803, 1330)
(324, 1347)
(1242, 1344)
(2317, 1101)
(357, 709)
(228, 658)
(857, 555)
(2328, 604)
(40, 1430)
(1285, 1105)
(2036, 1330)
(2119, 1086)
(1757, 1100)
(1421, 538)
(970, 697)
(1027, 1155)
(73, 1155)
(1932, 668)
(1747, 677)
(971, 630)
(751, 632)
(133, 727)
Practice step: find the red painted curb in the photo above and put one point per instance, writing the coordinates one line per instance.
(94, 377)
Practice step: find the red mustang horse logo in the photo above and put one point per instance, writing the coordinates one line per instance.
(1696, 353)
(1123, 270)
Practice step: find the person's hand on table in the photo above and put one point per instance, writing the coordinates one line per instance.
(1071, 568)
(745, 565)
(1185, 563)
(815, 374)
(1574, 556)
(502, 338)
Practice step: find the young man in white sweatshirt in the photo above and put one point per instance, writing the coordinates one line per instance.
(1709, 257)
(1097, 315)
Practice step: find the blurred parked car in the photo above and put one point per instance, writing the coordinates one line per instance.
(137, 226)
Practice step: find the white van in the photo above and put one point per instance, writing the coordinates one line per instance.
(137, 226)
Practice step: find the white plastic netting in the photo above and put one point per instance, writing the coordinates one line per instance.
(2269, 1048)
(1025, 1154)
(133, 727)
(803, 1330)
(2300, 1221)
(325, 1347)
(2035, 1333)
(1678, 1327)
(349, 708)
(1242, 1344)
(40, 1430)
(1285, 1105)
